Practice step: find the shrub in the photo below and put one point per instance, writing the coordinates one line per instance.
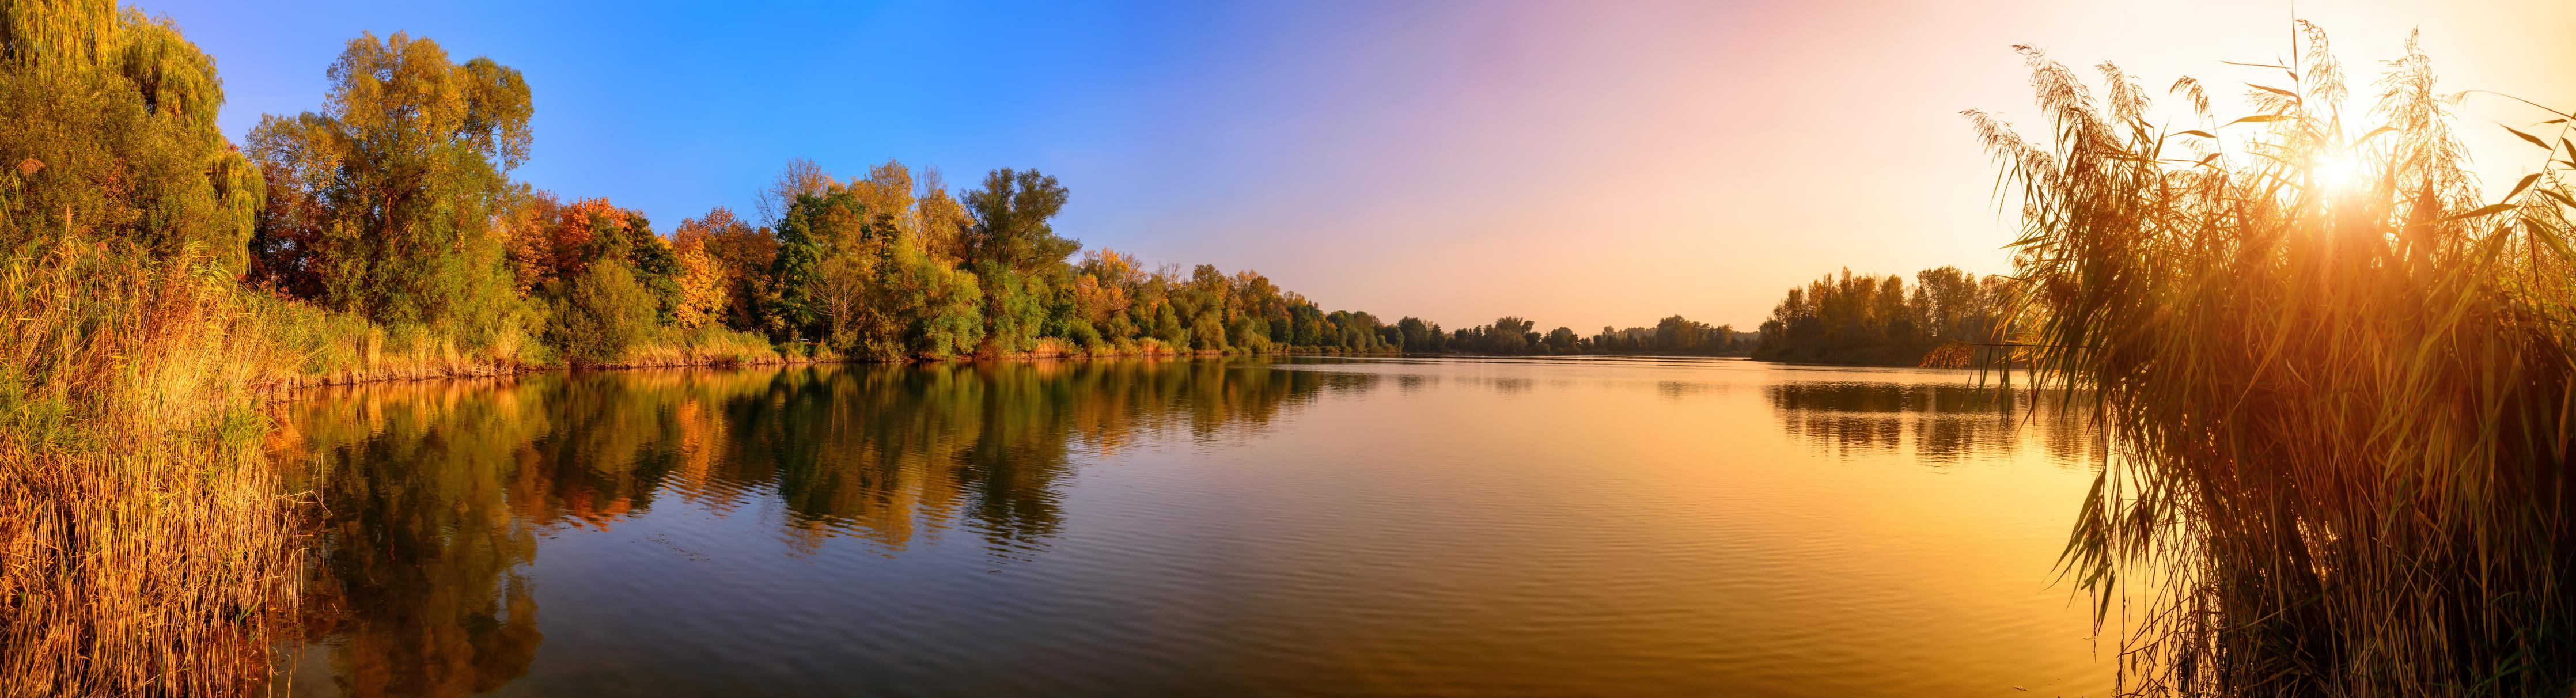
(602, 315)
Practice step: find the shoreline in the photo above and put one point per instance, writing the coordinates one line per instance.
(486, 370)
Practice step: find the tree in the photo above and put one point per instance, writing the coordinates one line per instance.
(741, 253)
(836, 230)
(788, 306)
(921, 306)
(1873, 319)
(385, 198)
(1561, 340)
(1012, 312)
(1508, 335)
(1420, 335)
(1010, 221)
(702, 283)
(941, 219)
(107, 128)
(800, 177)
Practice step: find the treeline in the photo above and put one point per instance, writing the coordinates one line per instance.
(393, 203)
(1865, 319)
(1675, 335)
(158, 277)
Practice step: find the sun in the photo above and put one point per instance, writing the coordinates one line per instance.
(2335, 171)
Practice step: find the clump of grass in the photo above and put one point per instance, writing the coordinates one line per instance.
(316, 346)
(704, 346)
(2338, 387)
(143, 546)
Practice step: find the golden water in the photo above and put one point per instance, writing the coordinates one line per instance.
(1238, 527)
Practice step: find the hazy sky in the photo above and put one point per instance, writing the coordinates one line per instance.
(1577, 163)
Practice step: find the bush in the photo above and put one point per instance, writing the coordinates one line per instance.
(1081, 333)
(603, 315)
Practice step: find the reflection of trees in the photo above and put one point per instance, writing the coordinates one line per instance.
(419, 561)
(880, 450)
(434, 494)
(1946, 421)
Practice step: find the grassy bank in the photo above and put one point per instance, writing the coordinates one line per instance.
(146, 546)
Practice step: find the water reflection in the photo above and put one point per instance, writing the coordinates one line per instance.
(1939, 419)
(434, 496)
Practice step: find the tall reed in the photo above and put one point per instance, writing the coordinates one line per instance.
(2337, 387)
(143, 544)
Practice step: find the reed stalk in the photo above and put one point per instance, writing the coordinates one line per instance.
(144, 546)
(2336, 383)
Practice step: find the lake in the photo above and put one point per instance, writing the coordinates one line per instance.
(1305, 526)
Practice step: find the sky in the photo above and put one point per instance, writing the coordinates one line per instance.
(1577, 163)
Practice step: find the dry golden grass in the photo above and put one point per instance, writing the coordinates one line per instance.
(143, 542)
(2339, 404)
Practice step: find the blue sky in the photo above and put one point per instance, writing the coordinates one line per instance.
(1580, 164)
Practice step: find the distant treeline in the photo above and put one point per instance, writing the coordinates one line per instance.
(1514, 335)
(1876, 320)
(393, 204)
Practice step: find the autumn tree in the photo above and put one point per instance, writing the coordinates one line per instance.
(741, 253)
(799, 178)
(704, 289)
(941, 218)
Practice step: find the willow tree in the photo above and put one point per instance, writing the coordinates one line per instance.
(110, 132)
(382, 203)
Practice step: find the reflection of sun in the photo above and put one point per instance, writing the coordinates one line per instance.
(2334, 171)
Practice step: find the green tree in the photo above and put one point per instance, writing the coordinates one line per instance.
(1508, 335)
(1207, 333)
(1561, 340)
(940, 306)
(1010, 221)
(107, 128)
(1250, 334)
(383, 201)
(1420, 335)
(1012, 310)
(602, 315)
(792, 304)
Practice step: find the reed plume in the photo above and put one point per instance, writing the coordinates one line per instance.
(2337, 387)
(144, 546)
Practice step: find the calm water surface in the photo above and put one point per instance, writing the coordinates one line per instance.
(1241, 527)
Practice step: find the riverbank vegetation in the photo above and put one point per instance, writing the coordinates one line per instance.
(157, 278)
(142, 545)
(2337, 380)
(1947, 319)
